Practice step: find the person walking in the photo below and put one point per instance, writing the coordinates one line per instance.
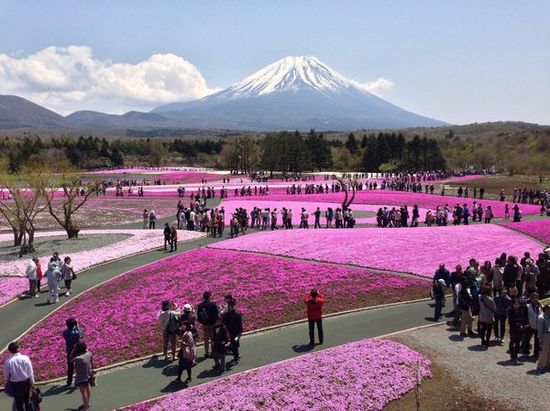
(173, 239)
(207, 314)
(314, 304)
(31, 273)
(39, 275)
(439, 297)
(19, 374)
(68, 274)
(220, 343)
(71, 335)
(84, 372)
(53, 274)
(187, 353)
(487, 311)
(543, 363)
(233, 321)
(317, 214)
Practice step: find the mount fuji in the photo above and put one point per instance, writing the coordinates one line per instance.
(294, 93)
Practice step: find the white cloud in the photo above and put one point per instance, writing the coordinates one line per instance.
(69, 78)
(378, 86)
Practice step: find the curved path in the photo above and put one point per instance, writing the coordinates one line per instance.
(155, 377)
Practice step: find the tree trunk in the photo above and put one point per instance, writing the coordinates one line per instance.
(72, 232)
(17, 237)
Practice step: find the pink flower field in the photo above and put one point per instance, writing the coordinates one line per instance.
(396, 198)
(10, 287)
(268, 289)
(413, 250)
(139, 241)
(364, 375)
(296, 206)
(539, 229)
(185, 177)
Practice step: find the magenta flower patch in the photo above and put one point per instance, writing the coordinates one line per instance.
(120, 316)
(413, 250)
(364, 375)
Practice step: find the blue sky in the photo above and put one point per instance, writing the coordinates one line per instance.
(460, 61)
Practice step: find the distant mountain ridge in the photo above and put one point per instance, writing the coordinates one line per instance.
(294, 93)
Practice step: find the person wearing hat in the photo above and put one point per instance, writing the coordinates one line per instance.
(439, 297)
(190, 316)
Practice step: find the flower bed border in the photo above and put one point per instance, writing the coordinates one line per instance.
(257, 331)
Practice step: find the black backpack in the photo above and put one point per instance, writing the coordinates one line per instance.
(174, 325)
(202, 315)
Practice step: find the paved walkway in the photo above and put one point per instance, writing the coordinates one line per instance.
(20, 315)
(148, 379)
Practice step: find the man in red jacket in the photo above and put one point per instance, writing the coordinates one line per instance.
(314, 303)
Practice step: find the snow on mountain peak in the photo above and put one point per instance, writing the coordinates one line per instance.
(291, 73)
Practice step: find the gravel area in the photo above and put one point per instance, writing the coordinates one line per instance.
(45, 246)
(489, 373)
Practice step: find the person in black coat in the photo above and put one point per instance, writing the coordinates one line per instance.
(233, 321)
(167, 232)
(207, 314)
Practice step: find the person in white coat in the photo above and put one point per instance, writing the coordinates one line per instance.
(32, 276)
(53, 274)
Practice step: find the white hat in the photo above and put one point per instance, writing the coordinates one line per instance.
(441, 281)
(187, 308)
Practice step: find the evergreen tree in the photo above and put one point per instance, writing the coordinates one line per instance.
(351, 144)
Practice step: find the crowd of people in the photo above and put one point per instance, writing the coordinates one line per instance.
(500, 295)
(57, 273)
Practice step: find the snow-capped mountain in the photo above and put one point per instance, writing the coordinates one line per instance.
(289, 74)
(294, 93)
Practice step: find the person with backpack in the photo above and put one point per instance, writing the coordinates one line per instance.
(207, 315)
(487, 311)
(71, 335)
(187, 353)
(169, 324)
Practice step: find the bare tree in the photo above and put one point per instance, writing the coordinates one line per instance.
(349, 186)
(19, 205)
(66, 183)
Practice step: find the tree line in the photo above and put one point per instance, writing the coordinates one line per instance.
(284, 152)
(291, 153)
